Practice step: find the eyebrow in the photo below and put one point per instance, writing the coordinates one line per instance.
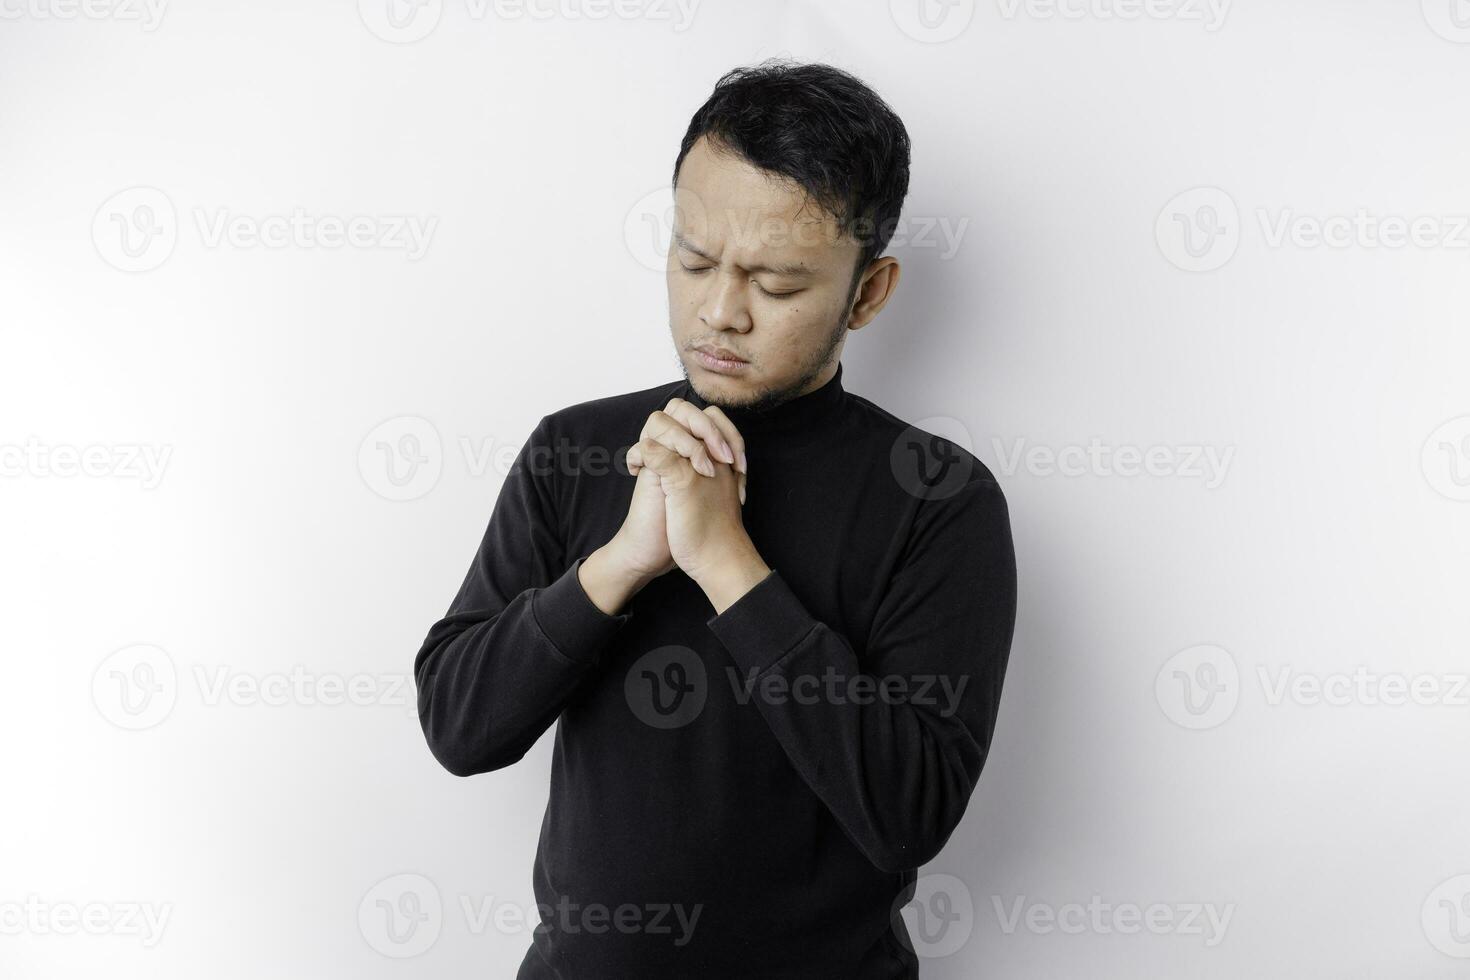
(794, 270)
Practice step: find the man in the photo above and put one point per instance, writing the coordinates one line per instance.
(775, 641)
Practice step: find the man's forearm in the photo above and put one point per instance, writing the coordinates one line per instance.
(608, 581)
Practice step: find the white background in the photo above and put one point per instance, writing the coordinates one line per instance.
(1069, 317)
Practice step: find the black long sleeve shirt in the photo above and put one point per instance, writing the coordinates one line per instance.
(745, 794)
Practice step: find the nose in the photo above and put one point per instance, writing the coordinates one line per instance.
(723, 305)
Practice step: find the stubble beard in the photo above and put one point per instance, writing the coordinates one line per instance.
(770, 399)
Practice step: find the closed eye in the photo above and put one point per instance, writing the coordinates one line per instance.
(696, 270)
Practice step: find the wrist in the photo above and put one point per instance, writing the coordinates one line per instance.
(731, 574)
(609, 580)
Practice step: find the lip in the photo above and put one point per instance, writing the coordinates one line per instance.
(720, 360)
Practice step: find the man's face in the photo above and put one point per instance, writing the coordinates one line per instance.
(755, 269)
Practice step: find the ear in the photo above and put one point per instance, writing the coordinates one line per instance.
(878, 282)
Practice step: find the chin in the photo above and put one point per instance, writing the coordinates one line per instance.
(721, 389)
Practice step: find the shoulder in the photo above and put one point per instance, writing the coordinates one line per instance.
(932, 460)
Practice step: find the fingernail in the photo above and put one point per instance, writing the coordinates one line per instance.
(729, 454)
(744, 466)
(742, 495)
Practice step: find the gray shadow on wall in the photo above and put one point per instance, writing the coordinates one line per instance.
(1006, 834)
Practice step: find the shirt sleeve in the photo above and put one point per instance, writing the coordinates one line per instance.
(520, 636)
(892, 743)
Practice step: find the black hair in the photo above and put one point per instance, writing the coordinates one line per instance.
(821, 127)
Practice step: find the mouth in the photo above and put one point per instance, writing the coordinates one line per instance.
(720, 359)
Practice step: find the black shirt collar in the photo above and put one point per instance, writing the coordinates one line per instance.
(807, 412)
